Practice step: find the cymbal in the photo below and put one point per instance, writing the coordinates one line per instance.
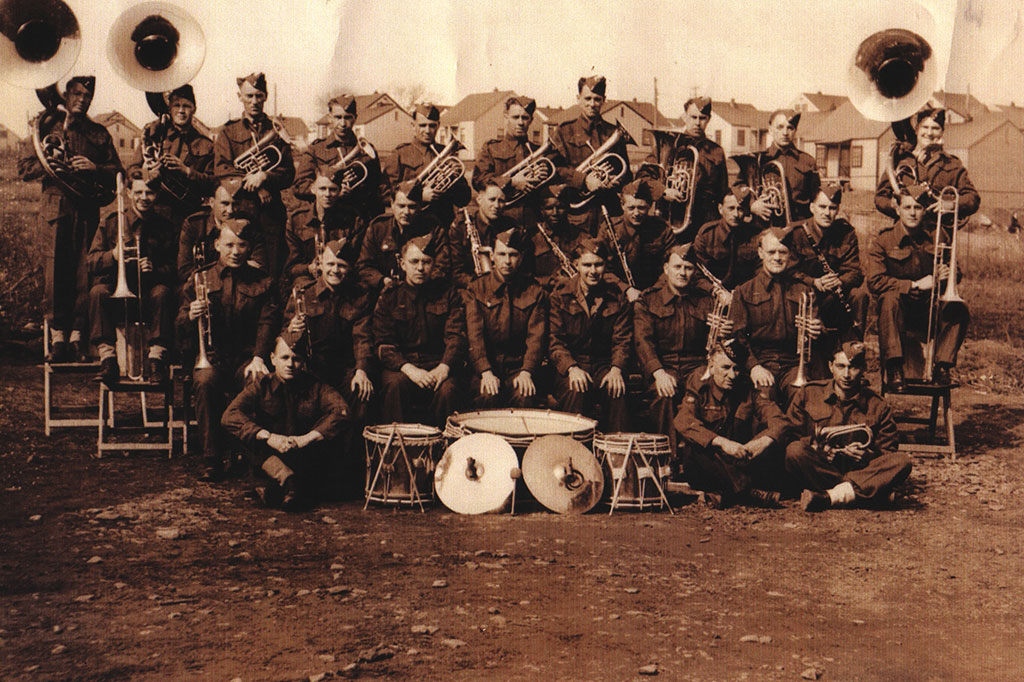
(563, 474)
(477, 474)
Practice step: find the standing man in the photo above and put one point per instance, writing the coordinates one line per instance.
(367, 200)
(240, 135)
(70, 219)
(727, 247)
(801, 170)
(835, 471)
(504, 153)
(202, 227)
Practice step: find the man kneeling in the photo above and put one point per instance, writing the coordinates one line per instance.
(287, 421)
(842, 466)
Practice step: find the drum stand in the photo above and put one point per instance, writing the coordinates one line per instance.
(385, 466)
(642, 472)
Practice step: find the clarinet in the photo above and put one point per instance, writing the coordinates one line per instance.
(567, 269)
(827, 269)
(481, 258)
(618, 249)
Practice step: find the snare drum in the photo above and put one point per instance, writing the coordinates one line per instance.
(632, 481)
(521, 426)
(400, 462)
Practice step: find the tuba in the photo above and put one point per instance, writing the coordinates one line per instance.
(605, 164)
(538, 169)
(356, 171)
(444, 170)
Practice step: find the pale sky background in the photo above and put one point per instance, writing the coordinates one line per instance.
(763, 52)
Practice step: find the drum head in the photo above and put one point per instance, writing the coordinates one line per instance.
(563, 474)
(475, 474)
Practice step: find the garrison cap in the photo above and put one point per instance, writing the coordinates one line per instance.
(514, 237)
(681, 250)
(648, 190)
(184, 92)
(257, 80)
(779, 233)
(934, 113)
(921, 193)
(744, 195)
(232, 184)
(326, 170)
(527, 103)
(296, 341)
(792, 116)
(346, 102)
(854, 351)
(344, 249)
(732, 350)
(593, 245)
(240, 227)
(833, 191)
(597, 84)
(87, 82)
(703, 104)
(562, 193)
(428, 111)
(412, 190)
(425, 243)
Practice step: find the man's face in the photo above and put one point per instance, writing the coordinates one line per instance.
(232, 250)
(286, 362)
(823, 211)
(182, 110)
(506, 259)
(695, 121)
(782, 130)
(325, 192)
(731, 212)
(142, 196)
(553, 211)
(591, 268)
(416, 265)
(635, 210)
(425, 129)
(590, 102)
(774, 254)
(678, 271)
(910, 212)
(341, 120)
(404, 209)
(491, 202)
(928, 133)
(77, 99)
(846, 376)
(223, 205)
(335, 269)
(723, 371)
(517, 121)
(252, 99)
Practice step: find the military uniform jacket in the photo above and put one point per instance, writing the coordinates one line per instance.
(287, 408)
(382, 244)
(499, 155)
(83, 137)
(594, 334)
(156, 235)
(817, 405)
(367, 199)
(895, 258)
(338, 320)
(423, 325)
(763, 312)
(801, 177)
(670, 328)
(195, 151)
(457, 259)
(507, 324)
(729, 253)
(712, 179)
(201, 228)
(244, 316)
(408, 160)
(838, 244)
(303, 226)
(740, 414)
(937, 170)
(235, 138)
(645, 248)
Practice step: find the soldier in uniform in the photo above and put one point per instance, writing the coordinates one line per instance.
(153, 234)
(287, 421)
(238, 136)
(764, 311)
(835, 473)
(575, 141)
(899, 265)
(727, 247)
(932, 167)
(243, 317)
(802, 179)
(711, 179)
(70, 220)
(552, 248)
(503, 153)
(487, 220)
(176, 156)
(367, 200)
(644, 238)
(507, 324)
(378, 257)
(591, 331)
(826, 236)
(419, 327)
(727, 428)
(410, 158)
(202, 227)
(670, 331)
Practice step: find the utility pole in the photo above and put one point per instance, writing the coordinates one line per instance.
(655, 101)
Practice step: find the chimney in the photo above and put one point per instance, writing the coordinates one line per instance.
(732, 102)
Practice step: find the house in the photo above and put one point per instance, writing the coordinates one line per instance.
(738, 127)
(992, 149)
(816, 102)
(8, 140)
(960, 106)
(294, 130)
(1013, 114)
(480, 117)
(127, 136)
(635, 116)
(845, 144)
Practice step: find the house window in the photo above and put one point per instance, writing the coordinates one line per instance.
(120, 143)
(718, 137)
(856, 156)
(741, 138)
(820, 151)
(535, 136)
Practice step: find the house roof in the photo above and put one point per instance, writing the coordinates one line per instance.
(645, 110)
(740, 114)
(294, 127)
(961, 103)
(966, 135)
(1013, 114)
(547, 113)
(845, 123)
(472, 107)
(368, 107)
(112, 117)
(825, 102)
(10, 133)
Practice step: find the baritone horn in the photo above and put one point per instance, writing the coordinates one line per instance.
(608, 166)
(444, 170)
(538, 170)
(156, 46)
(356, 171)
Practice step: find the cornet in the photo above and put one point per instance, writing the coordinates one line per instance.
(203, 295)
(605, 164)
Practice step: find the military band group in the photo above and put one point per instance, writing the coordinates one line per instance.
(727, 314)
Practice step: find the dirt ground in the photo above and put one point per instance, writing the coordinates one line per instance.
(930, 590)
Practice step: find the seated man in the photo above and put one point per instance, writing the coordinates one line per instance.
(644, 237)
(590, 336)
(833, 472)
(240, 307)
(202, 227)
(152, 234)
(552, 248)
(507, 321)
(487, 220)
(727, 247)
(286, 421)
(419, 327)
(899, 268)
(725, 428)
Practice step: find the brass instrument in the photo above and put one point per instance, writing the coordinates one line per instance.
(768, 182)
(299, 303)
(901, 172)
(40, 42)
(319, 244)
(538, 169)
(606, 165)
(949, 296)
(443, 171)
(843, 441)
(356, 171)
(719, 315)
(203, 295)
(132, 330)
(805, 315)
(264, 155)
(827, 269)
(54, 156)
(618, 248)
(683, 177)
(567, 267)
(171, 181)
(481, 254)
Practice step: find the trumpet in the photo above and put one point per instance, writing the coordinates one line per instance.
(950, 296)
(299, 303)
(264, 154)
(443, 171)
(356, 172)
(481, 254)
(719, 316)
(538, 169)
(132, 330)
(567, 267)
(618, 248)
(202, 294)
(804, 317)
(605, 164)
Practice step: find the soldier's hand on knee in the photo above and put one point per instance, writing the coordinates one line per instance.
(614, 383)
(758, 445)
(731, 447)
(489, 384)
(280, 443)
(579, 380)
(439, 375)
(664, 383)
(761, 377)
(361, 385)
(523, 383)
(420, 377)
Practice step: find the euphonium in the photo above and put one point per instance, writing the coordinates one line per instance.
(538, 169)
(606, 165)
(949, 296)
(202, 294)
(356, 171)
(443, 171)
(264, 155)
(805, 315)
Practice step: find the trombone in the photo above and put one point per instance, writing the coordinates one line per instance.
(805, 315)
(124, 252)
(950, 295)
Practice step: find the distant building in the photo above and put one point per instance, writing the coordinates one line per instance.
(8, 140)
(992, 149)
(738, 127)
(380, 119)
(960, 107)
(127, 136)
(294, 130)
(635, 116)
(480, 117)
(817, 102)
(846, 146)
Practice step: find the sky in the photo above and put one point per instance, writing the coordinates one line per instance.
(764, 52)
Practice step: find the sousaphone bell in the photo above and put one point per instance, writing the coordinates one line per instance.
(39, 42)
(156, 46)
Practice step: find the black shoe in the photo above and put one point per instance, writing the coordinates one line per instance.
(58, 352)
(110, 373)
(940, 377)
(76, 354)
(764, 498)
(212, 474)
(157, 372)
(290, 500)
(897, 382)
(268, 496)
(811, 501)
